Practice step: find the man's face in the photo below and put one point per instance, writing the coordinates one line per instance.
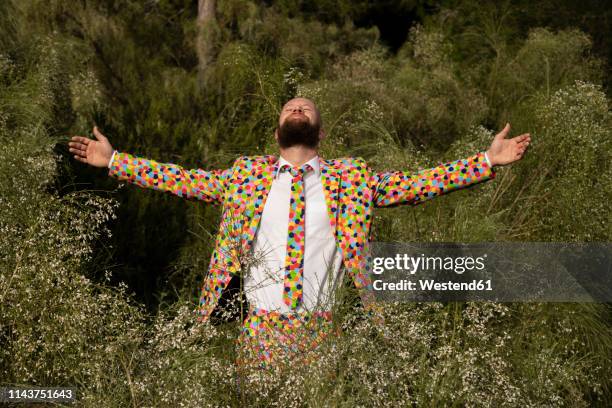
(299, 124)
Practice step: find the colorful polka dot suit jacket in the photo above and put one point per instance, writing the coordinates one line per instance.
(351, 189)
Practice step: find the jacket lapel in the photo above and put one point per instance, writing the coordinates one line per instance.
(330, 178)
(263, 174)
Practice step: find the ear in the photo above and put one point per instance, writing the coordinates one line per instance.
(322, 134)
(276, 134)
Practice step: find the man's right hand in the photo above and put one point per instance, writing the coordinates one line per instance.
(93, 152)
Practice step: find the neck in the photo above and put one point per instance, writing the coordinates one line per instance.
(298, 155)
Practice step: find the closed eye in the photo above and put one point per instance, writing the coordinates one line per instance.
(291, 109)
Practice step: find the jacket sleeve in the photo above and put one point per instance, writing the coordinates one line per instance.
(195, 184)
(399, 187)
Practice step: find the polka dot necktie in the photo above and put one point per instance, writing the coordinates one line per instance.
(294, 260)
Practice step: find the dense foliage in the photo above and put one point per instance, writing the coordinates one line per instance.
(69, 238)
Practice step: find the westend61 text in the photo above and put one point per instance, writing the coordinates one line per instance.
(430, 284)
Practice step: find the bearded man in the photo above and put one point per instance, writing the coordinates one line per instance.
(306, 219)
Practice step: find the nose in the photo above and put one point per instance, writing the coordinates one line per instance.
(297, 109)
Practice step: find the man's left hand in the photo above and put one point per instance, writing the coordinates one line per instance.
(505, 151)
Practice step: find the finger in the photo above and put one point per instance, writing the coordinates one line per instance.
(76, 145)
(98, 135)
(81, 153)
(77, 151)
(81, 139)
(522, 138)
(81, 159)
(504, 132)
(524, 143)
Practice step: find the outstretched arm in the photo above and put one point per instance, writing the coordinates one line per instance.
(198, 184)
(399, 187)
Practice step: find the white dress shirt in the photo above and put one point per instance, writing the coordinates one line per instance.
(264, 282)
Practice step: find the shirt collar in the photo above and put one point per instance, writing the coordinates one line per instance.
(314, 163)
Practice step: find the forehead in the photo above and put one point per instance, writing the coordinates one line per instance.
(300, 101)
